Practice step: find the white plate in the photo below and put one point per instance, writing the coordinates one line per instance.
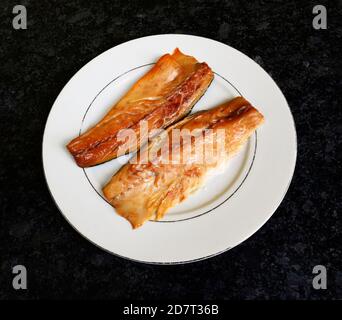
(227, 210)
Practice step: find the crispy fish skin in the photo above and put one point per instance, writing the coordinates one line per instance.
(161, 97)
(142, 191)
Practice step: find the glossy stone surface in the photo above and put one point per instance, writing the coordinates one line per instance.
(276, 262)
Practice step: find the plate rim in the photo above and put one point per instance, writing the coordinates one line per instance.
(290, 178)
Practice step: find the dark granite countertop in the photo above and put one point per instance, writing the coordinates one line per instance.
(277, 261)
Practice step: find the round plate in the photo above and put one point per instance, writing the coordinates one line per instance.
(231, 206)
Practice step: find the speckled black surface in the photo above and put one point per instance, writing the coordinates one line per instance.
(276, 262)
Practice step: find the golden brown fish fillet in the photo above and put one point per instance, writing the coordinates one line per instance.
(162, 96)
(144, 190)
